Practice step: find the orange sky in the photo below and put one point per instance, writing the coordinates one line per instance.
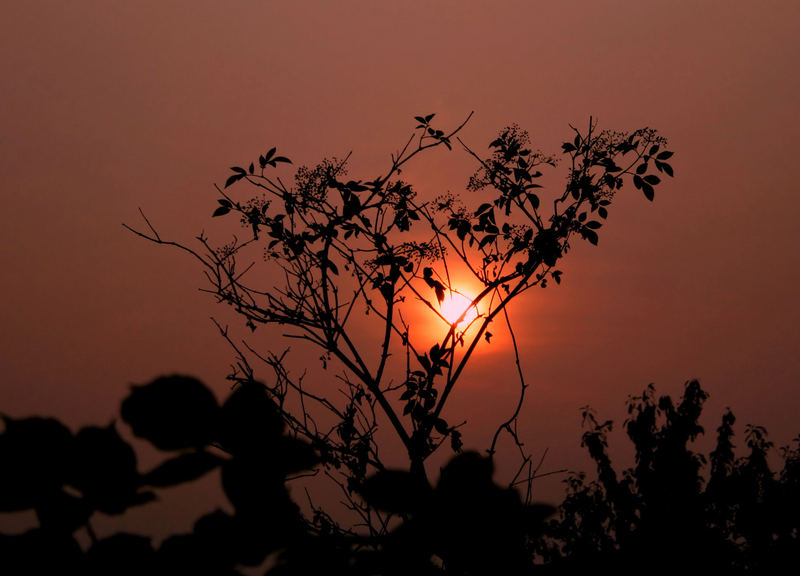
(106, 107)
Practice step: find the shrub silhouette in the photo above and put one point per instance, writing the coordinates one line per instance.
(669, 511)
(469, 522)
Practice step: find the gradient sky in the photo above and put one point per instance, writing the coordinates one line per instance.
(106, 107)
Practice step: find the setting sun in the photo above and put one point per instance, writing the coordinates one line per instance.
(454, 305)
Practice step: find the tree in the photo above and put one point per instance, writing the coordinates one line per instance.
(668, 511)
(336, 248)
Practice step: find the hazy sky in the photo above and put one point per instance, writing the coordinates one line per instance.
(106, 107)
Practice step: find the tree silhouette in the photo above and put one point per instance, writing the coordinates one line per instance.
(336, 249)
(668, 512)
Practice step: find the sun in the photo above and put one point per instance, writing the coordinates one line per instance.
(454, 305)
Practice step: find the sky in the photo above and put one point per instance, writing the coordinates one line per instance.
(108, 107)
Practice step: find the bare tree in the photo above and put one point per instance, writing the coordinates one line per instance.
(339, 248)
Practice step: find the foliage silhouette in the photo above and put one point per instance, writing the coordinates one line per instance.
(336, 248)
(664, 513)
(467, 520)
(668, 512)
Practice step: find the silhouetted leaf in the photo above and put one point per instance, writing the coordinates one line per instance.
(648, 190)
(255, 486)
(590, 235)
(439, 292)
(396, 491)
(104, 469)
(294, 455)
(249, 420)
(483, 208)
(233, 178)
(34, 455)
(652, 179)
(183, 468)
(488, 239)
(62, 512)
(172, 412)
(41, 552)
(121, 554)
(221, 211)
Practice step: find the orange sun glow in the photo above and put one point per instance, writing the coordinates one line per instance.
(454, 305)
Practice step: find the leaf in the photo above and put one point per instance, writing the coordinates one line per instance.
(122, 553)
(221, 211)
(34, 455)
(665, 155)
(483, 208)
(488, 239)
(291, 455)
(455, 441)
(439, 292)
(397, 491)
(62, 511)
(252, 168)
(668, 169)
(590, 235)
(637, 181)
(641, 168)
(281, 159)
(593, 224)
(172, 412)
(249, 421)
(233, 178)
(105, 469)
(239, 170)
(270, 154)
(652, 179)
(648, 191)
(567, 147)
(183, 468)
(224, 202)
